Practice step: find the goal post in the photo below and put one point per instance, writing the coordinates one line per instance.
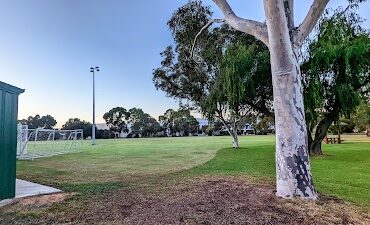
(40, 142)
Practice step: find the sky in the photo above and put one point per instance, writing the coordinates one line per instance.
(48, 46)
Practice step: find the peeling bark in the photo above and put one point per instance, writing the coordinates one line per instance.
(313, 15)
(293, 176)
(251, 27)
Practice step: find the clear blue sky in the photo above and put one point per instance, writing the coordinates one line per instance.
(48, 46)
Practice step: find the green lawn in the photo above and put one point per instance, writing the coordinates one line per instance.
(344, 172)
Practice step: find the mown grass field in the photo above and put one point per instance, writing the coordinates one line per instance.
(343, 172)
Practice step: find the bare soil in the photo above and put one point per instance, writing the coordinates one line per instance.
(203, 201)
(44, 200)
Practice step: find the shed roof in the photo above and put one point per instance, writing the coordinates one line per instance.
(11, 89)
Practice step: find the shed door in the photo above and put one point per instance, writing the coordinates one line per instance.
(8, 143)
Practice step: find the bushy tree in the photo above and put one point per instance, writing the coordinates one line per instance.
(180, 121)
(165, 121)
(336, 72)
(76, 123)
(47, 122)
(200, 82)
(142, 122)
(117, 119)
(361, 116)
(243, 87)
(183, 122)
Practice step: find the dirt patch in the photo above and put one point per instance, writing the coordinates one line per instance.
(37, 201)
(204, 201)
(43, 200)
(217, 201)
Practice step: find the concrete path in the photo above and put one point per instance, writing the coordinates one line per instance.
(26, 189)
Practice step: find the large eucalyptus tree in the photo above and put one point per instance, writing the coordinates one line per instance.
(284, 40)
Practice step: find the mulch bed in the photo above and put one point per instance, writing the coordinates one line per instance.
(204, 201)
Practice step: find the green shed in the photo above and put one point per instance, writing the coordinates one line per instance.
(8, 138)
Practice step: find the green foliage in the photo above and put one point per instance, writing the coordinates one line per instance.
(47, 122)
(179, 121)
(201, 83)
(76, 123)
(142, 122)
(179, 76)
(117, 118)
(361, 116)
(246, 77)
(336, 72)
(166, 119)
(237, 62)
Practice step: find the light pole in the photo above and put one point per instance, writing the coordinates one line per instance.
(92, 70)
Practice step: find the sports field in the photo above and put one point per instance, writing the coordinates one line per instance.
(154, 163)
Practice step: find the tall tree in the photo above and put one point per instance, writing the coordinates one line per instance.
(183, 122)
(284, 39)
(117, 119)
(165, 120)
(337, 72)
(142, 122)
(200, 82)
(242, 88)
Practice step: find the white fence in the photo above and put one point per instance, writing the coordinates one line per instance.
(37, 143)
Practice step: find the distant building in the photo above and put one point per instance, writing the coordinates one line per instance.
(102, 126)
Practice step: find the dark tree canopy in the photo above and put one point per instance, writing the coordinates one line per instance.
(117, 119)
(142, 122)
(184, 122)
(76, 123)
(180, 121)
(47, 122)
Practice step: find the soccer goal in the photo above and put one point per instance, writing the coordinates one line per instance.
(38, 143)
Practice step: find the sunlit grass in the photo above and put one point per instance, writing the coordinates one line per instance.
(344, 171)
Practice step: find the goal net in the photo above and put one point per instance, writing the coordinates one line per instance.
(37, 143)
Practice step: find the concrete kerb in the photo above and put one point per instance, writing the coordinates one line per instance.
(27, 189)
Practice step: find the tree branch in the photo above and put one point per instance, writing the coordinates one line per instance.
(225, 124)
(313, 15)
(254, 28)
(289, 13)
(200, 32)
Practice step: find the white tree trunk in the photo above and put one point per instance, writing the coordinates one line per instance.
(235, 136)
(293, 176)
(231, 130)
(235, 142)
